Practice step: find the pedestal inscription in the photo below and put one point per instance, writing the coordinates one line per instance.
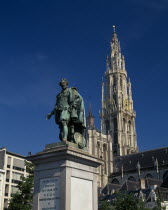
(49, 197)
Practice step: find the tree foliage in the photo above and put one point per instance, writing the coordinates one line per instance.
(159, 204)
(125, 201)
(22, 200)
(105, 206)
(128, 202)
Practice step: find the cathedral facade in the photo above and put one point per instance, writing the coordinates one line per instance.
(116, 143)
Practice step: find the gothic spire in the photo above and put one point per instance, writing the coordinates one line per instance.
(90, 118)
(90, 110)
(117, 114)
(115, 44)
(116, 59)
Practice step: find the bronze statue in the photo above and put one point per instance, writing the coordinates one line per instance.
(69, 114)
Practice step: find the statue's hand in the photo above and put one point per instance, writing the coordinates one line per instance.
(48, 116)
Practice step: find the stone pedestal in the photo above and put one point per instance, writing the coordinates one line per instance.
(65, 179)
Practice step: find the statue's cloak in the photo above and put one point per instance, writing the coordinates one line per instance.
(72, 112)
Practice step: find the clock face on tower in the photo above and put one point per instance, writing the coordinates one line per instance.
(127, 105)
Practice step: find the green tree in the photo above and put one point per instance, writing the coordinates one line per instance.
(128, 202)
(105, 206)
(22, 200)
(159, 203)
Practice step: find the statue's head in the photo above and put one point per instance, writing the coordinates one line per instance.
(63, 83)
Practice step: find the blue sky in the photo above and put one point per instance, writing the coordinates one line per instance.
(42, 41)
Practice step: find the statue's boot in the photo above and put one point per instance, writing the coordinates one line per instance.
(64, 140)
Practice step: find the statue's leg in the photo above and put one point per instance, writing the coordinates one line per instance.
(72, 133)
(64, 131)
(61, 132)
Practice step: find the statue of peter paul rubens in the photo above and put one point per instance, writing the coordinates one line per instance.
(69, 112)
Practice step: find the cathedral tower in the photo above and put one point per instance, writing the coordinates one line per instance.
(118, 115)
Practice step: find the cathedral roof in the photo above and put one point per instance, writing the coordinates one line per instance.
(149, 182)
(129, 186)
(110, 187)
(147, 159)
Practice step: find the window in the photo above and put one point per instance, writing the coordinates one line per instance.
(98, 149)
(149, 176)
(115, 181)
(129, 132)
(131, 178)
(9, 162)
(115, 152)
(5, 203)
(14, 189)
(115, 131)
(16, 177)
(18, 164)
(121, 84)
(129, 127)
(124, 125)
(6, 189)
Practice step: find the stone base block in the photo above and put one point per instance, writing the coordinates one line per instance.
(65, 179)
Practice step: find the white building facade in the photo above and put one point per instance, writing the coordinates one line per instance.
(2, 183)
(12, 167)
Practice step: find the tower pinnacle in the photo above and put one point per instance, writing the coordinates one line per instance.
(90, 118)
(114, 28)
(90, 110)
(116, 59)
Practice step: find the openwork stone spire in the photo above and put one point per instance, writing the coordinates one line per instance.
(116, 60)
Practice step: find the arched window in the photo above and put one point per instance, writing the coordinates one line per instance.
(124, 131)
(115, 81)
(165, 175)
(131, 178)
(115, 181)
(98, 149)
(129, 126)
(149, 176)
(124, 125)
(129, 132)
(121, 84)
(115, 152)
(115, 100)
(115, 131)
(122, 100)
